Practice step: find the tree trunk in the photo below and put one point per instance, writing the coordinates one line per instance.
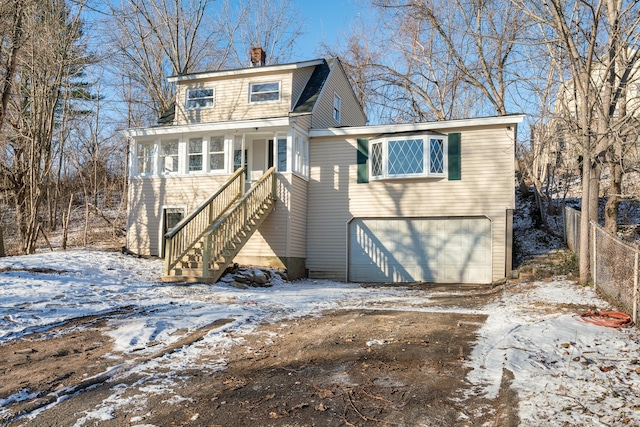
(613, 200)
(585, 253)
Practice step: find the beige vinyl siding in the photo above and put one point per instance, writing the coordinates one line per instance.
(147, 197)
(351, 114)
(486, 189)
(231, 99)
(271, 238)
(328, 206)
(300, 79)
(303, 122)
(298, 218)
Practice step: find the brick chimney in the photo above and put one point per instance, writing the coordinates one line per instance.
(258, 57)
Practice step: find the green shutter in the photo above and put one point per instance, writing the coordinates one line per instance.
(363, 160)
(455, 166)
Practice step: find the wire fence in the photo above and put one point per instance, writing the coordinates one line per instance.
(614, 262)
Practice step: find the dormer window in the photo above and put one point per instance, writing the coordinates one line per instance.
(264, 92)
(199, 98)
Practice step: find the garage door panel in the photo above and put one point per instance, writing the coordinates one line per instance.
(444, 250)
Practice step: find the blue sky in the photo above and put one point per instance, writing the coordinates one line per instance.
(323, 21)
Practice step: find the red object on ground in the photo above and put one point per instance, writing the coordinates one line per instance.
(610, 319)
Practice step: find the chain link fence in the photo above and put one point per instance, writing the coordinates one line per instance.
(614, 262)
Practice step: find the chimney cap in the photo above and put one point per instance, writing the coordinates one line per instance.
(258, 57)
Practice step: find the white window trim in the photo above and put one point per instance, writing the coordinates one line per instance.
(300, 154)
(213, 98)
(204, 145)
(271, 101)
(426, 141)
(153, 158)
(337, 112)
(160, 167)
(225, 153)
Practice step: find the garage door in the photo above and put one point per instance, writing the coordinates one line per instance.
(437, 250)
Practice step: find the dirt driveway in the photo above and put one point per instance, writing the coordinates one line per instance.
(344, 367)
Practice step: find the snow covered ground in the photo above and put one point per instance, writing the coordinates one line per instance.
(566, 372)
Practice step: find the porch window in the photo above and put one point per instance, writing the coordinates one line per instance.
(216, 153)
(264, 92)
(282, 154)
(169, 156)
(145, 152)
(199, 98)
(195, 154)
(421, 156)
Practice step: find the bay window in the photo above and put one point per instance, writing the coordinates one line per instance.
(416, 156)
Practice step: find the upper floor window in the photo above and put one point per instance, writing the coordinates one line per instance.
(169, 156)
(216, 153)
(337, 107)
(406, 158)
(145, 152)
(264, 92)
(195, 154)
(199, 98)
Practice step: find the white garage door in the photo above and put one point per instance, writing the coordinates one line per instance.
(437, 250)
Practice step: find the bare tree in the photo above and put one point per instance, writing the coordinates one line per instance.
(274, 25)
(158, 38)
(50, 54)
(597, 38)
(449, 45)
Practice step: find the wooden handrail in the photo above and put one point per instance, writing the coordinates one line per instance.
(204, 204)
(181, 238)
(230, 226)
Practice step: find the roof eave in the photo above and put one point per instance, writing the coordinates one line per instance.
(244, 71)
(237, 125)
(416, 127)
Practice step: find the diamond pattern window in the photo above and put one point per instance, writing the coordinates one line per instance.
(377, 169)
(436, 161)
(415, 157)
(406, 157)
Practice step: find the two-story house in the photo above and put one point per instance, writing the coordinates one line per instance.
(275, 166)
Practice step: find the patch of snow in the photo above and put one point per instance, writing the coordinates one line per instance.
(565, 371)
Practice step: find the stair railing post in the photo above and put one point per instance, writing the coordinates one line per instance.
(205, 255)
(168, 252)
(274, 185)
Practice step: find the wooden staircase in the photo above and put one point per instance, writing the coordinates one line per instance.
(204, 244)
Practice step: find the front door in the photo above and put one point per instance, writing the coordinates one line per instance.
(170, 218)
(257, 159)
